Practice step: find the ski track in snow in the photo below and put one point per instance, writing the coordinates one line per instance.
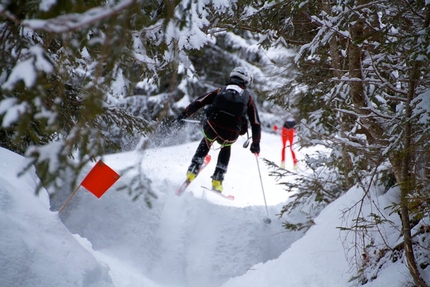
(199, 238)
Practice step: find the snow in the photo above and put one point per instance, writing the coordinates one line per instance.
(197, 239)
(45, 5)
(36, 248)
(422, 109)
(23, 71)
(69, 22)
(5, 106)
(27, 69)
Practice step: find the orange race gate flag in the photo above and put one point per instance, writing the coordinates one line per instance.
(100, 179)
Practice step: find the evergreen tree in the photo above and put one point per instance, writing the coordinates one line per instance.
(363, 94)
(82, 79)
(58, 74)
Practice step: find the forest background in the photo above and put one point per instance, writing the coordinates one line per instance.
(354, 74)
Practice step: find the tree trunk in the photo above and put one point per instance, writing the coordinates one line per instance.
(372, 130)
(336, 64)
(407, 183)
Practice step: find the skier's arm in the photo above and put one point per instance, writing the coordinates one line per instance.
(199, 103)
(254, 120)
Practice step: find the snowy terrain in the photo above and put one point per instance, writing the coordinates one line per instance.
(198, 239)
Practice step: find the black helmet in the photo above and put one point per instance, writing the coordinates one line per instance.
(243, 74)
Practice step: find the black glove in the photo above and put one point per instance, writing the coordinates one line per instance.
(179, 119)
(255, 148)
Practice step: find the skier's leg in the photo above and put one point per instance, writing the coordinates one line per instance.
(197, 160)
(293, 154)
(294, 159)
(284, 142)
(221, 167)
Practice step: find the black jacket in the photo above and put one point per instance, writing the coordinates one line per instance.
(229, 133)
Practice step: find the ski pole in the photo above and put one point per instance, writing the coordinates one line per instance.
(191, 121)
(246, 143)
(266, 220)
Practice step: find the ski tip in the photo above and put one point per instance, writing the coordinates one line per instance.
(180, 190)
(231, 197)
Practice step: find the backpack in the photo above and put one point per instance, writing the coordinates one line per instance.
(290, 123)
(229, 108)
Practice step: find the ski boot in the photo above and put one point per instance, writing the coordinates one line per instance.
(194, 169)
(217, 185)
(217, 179)
(191, 176)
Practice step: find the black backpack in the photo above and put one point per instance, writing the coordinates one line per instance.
(289, 124)
(229, 108)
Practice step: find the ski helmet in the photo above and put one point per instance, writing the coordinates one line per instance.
(241, 73)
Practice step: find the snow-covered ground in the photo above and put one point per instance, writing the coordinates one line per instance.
(198, 239)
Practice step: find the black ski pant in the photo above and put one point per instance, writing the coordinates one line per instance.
(225, 137)
(223, 158)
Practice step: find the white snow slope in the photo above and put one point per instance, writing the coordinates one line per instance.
(198, 239)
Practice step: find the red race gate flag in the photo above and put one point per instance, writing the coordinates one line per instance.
(100, 179)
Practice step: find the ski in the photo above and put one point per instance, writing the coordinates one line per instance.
(231, 197)
(186, 183)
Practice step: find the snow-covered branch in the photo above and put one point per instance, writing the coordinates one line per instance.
(72, 22)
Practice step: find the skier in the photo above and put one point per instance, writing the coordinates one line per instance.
(225, 121)
(287, 134)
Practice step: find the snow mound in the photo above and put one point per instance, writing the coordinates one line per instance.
(36, 248)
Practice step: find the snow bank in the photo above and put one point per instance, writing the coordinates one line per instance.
(36, 248)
